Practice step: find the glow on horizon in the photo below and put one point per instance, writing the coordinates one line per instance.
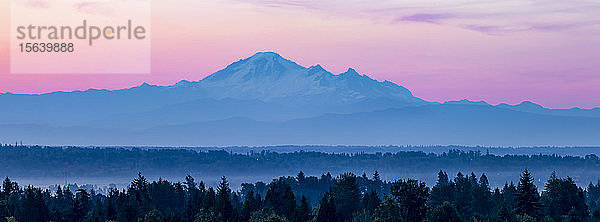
(497, 51)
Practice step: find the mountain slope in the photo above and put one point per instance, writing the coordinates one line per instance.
(267, 99)
(264, 77)
(269, 77)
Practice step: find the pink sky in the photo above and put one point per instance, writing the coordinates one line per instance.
(497, 51)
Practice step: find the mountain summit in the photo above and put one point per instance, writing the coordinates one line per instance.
(263, 66)
(267, 76)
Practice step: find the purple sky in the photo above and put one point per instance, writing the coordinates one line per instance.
(499, 51)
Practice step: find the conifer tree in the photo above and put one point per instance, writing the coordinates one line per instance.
(81, 204)
(223, 201)
(411, 196)
(280, 198)
(482, 197)
(562, 197)
(327, 209)
(446, 212)
(370, 201)
(193, 199)
(34, 206)
(376, 176)
(387, 211)
(346, 196)
(209, 199)
(303, 211)
(190, 184)
(251, 204)
(300, 177)
(442, 191)
(527, 197)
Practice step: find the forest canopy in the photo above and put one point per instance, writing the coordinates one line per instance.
(346, 197)
(36, 163)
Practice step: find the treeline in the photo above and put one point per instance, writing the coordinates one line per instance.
(346, 197)
(36, 162)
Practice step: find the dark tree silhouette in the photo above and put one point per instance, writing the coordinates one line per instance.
(446, 212)
(370, 201)
(34, 205)
(562, 197)
(281, 199)
(387, 211)
(346, 196)
(527, 197)
(223, 201)
(482, 197)
(442, 191)
(411, 196)
(303, 211)
(327, 209)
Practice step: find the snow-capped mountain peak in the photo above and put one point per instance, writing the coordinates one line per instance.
(267, 76)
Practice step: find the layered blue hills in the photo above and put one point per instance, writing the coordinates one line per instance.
(268, 100)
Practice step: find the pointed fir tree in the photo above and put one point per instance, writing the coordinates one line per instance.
(387, 211)
(482, 197)
(346, 196)
(300, 177)
(223, 200)
(376, 176)
(302, 211)
(442, 191)
(209, 199)
(527, 198)
(190, 184)
(370, 201)
(280, 198)
(411, 196)
(562, 197)
(326, 212)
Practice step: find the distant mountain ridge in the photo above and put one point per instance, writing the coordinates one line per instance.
(267, 76)
(266, 100)
(530, 107)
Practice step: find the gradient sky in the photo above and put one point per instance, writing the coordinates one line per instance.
(498, 51)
